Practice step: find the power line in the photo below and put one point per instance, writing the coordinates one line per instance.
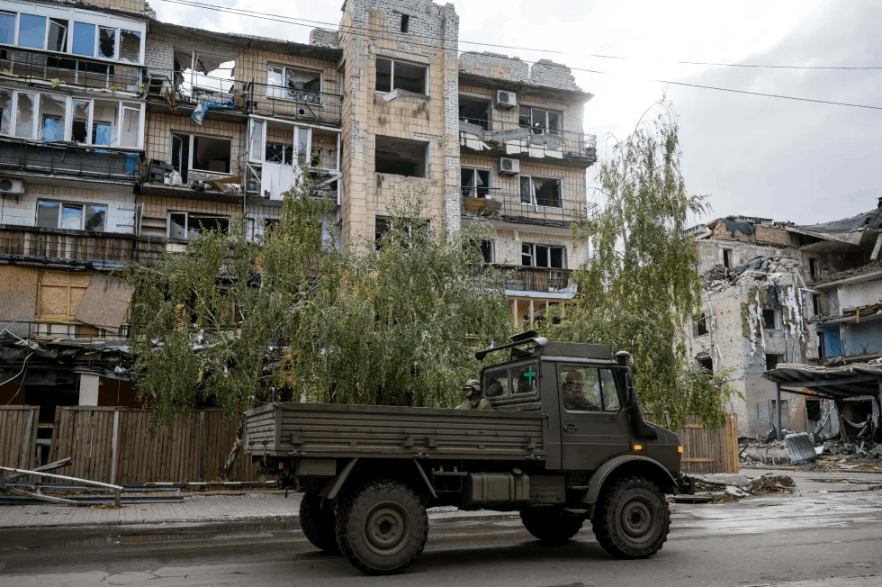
(308, 22)
(303, 22)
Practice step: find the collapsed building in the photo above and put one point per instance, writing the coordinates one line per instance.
(792, 313)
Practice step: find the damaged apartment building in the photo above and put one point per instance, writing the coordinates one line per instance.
(123, 137)
(792, 312)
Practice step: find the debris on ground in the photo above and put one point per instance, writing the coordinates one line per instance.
(719, 488)
(812, 451)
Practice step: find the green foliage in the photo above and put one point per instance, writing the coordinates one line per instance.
(641, 284)
(292, 317)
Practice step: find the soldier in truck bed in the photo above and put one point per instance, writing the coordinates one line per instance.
(474, 399)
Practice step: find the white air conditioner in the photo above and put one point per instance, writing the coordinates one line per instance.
(11, 187)
(509, 166)
(506, 99)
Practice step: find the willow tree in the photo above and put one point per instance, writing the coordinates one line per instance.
(236, 323)
(641, 285)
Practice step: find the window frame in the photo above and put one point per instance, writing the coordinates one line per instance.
(392, 87)
(69, 112)
(534, 257)
(73, 16)
(66, 203)
(483, 100)
(187, 227)
(542, 128)
(598, 399)
(478, 191)
(190, 151)
(257, 131)
(533, 200)
(283, 92)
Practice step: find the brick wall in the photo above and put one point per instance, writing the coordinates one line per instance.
(120, 202)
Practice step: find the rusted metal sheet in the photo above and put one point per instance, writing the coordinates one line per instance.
(333, 430)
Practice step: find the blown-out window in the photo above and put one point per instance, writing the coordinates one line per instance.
(399, 75)
(186, 225)
(540, 121)
(543, 255)
(474, 183)
(401, 157)
(290, 83)
(69, 215)
(541, 191)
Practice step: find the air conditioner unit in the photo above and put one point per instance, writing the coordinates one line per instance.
(509, 166)
(11, 187)
(506, 99)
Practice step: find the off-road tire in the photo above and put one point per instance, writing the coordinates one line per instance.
(382, 527)
(551, 525)
(318, 522)
(632, 519)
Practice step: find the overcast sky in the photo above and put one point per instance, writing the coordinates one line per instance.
(751, 155)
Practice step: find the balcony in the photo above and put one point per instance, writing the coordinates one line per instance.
(536, 279)
(530, 144)
(507, 200)
(33, 64)
(77, 249)
(69, 159)
(293, 104)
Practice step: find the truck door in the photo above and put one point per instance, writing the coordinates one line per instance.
(593, 426)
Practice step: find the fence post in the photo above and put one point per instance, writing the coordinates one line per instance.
(202, 446)
(26, 440)
(114, 445)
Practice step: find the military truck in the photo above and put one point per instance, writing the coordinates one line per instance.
(368, 473)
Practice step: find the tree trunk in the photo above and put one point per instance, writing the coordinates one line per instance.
(234, 453)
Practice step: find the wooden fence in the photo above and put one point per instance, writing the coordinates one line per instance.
(114, 445)
(18, 436)
(710, 451)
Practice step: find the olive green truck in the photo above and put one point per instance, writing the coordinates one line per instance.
(566, 443)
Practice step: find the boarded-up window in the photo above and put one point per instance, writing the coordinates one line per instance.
(59, 295)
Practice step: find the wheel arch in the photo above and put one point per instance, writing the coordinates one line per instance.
(358, 470)
(628, 465)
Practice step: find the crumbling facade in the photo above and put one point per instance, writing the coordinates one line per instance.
(779, 293)
(122, 138)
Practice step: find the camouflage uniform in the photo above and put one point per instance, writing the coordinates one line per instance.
(574, 399)
(474, 401)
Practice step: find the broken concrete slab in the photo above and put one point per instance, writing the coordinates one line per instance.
(801, 447)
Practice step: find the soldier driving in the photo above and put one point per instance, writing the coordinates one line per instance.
(573, 395)
(474, 399)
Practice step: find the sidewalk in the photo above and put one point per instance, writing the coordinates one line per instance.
(271, 505)
(256, 506)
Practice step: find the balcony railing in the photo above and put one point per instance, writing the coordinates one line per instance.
(535, 143)
(510, 202)
(34, 64)
(65, 247)
(294, 104)
(536, 279)
(64, 158)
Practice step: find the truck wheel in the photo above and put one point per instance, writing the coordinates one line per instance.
(318, 523)
(382, 527)
(551, 524)
(632, 519)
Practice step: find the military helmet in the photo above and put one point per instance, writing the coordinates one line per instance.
(474, 384)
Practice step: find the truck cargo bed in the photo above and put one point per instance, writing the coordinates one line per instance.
(339, 430)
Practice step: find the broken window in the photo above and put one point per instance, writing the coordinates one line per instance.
(64, 215)
(57, 35)
(186, 226)
(130, 46)
(539, 120)
(398, 75)
(131, 125)
(701, 325)
(405, 22)
(52, 117)
(769, 318)
(727, 258)
(475, 111)
(474, 183)
(291, 83)
(24, 115)
(383, 225)
(813, 267)
(84, 39)
(540, 191)
(106, 42)
(5, 112)
(487, 251)
(7, 28)
(772, 360)
(104, 123)
(706, 363)
(401, 157)
(813, 410)
(31, 31)
(279, 153)
(543, 255)
(199, 152)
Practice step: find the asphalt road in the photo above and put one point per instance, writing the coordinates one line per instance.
(821, 538)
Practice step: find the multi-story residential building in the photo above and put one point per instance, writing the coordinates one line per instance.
(123, 137)
(794, 302)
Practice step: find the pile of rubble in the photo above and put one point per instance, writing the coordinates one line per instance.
(805, 449)
(718, 488)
